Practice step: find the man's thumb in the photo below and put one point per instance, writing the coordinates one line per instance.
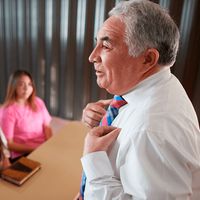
(110, 137)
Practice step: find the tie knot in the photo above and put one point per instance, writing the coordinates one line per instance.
(112, 110)
(118, 102)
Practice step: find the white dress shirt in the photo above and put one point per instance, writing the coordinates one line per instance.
(157, 154)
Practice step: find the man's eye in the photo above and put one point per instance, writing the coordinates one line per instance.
(105, 47)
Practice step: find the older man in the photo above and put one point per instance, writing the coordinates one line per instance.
(152, 148)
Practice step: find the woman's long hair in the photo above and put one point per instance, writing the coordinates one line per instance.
(11, 95)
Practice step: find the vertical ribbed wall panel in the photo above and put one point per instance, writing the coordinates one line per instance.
(54, 38)
(3, 71)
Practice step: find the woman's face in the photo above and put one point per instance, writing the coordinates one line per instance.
(24, 88)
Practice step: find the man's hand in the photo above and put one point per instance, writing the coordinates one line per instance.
(78, 197)
(100, 138)
(93, 112)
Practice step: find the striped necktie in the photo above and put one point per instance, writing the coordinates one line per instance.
(107, 119)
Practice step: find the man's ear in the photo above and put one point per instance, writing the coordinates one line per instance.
(151, 57)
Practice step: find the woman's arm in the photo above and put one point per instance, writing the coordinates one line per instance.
(47, 131)
(46, 118)
(21, 148)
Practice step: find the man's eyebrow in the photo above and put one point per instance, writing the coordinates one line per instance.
(105, 38)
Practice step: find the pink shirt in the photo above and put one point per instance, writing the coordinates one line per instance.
(25, 126)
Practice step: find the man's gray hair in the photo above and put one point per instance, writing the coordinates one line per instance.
(148, 26)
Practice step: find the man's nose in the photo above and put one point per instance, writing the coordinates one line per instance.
(94, 56)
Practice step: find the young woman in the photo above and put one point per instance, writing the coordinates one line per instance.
(25, 119)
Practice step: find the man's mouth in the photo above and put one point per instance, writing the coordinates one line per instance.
(99, 73)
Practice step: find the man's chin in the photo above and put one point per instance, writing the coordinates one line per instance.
(100, 84)
(103, 86)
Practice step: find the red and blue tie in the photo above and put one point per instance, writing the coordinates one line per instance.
(107, 119)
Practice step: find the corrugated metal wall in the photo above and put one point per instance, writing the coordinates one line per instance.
(53, 39)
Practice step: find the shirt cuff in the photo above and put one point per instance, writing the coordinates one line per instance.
(96, 165)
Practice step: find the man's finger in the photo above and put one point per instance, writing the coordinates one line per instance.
(94, 116)
(102, 130)
(77, 197)
(104, 102)
(95, 108)
(91, 122)
(112, 136)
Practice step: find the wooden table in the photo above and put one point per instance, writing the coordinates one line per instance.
(59, 177)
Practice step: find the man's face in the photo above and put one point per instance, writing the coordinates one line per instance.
(116, 70)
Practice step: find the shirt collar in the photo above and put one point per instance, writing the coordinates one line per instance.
(143, 90)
